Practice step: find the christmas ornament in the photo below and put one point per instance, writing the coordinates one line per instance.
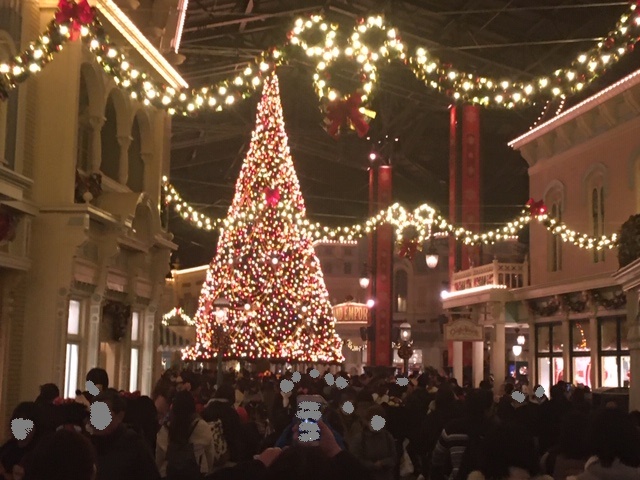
(272, 196)
(76, 15)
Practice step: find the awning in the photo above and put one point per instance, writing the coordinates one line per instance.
(170, 341)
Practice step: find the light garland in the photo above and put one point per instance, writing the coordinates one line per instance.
(424, 219)
(371, 41)
(177, 312)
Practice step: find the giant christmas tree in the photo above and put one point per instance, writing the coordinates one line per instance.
(265, 264)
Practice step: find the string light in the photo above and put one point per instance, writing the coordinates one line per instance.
(353, 347)
(370, 42)
(177, 312)
(424, 220)
(265, 264)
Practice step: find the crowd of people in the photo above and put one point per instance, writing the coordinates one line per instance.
(245, 427)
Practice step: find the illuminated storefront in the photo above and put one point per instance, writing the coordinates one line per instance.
(549, 361)
(580, 342)
(613, 351)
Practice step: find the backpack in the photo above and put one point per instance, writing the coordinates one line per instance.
(221, 449)
(472, 456)
(181, 460)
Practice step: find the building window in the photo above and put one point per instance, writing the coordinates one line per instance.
(347, 268)
(135, 178)
(83, 156)
(613, 351)
(72, 362)
(401, 287)
(110, 165)
(555, 241)
(597, 220)
(549, 346)
(580, 353)
(136, 345)
(8, 108)
(327, 268)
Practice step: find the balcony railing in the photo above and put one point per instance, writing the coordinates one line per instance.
(511, 275)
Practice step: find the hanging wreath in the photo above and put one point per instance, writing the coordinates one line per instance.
(119, 314)
(8, 225)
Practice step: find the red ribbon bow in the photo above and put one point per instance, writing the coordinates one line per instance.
(536, 208)
(63, 401)
(131, 395)
(272, 196)
(76, 14)
(345, 114)
(408, 249)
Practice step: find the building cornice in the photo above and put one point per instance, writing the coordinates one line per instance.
(629, 276)
(143, 46)
(581, 284)
(585, 106)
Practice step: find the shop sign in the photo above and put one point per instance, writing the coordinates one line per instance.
(463, 331)
(351, 312)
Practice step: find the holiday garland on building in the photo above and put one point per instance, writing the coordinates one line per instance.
(371, 43)
(265, 265)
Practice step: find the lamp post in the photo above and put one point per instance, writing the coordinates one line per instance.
(221, 312)
(405, 350)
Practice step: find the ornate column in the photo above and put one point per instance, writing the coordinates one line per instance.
(148, 349)
(96, 122)
(566, 347)
(123, 167)
(498, 361)
(478, 363)
(457, 362)
(147, 160)
(633, 321)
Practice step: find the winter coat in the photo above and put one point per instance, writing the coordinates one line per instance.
(124, 455)
(371, 447)
(203, 447)
(594, 470)
(220, 409)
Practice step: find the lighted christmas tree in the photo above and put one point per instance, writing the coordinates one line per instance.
(265, 264)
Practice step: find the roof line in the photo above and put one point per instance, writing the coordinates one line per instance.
(134, 36)
(577, 110)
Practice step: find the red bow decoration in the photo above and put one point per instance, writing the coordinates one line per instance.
(536, 208)
(408, 249)
(131, 395)
(75, 14)
(63, 401)
(272, 196)
(342, 114)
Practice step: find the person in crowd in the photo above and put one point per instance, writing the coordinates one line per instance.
(445, 409)
(221, 407)
(615, 445)
(162, 397)
(48, 393)
(462, 434)
(376, 447)
(551, 414)
(572, 450)
(505, 409)
(184, 427)
(300, 462)
(121, 452)
(141, 415)
(417, 407)
(100, 378)
(64, 455)
(16, 453)
(508, 453)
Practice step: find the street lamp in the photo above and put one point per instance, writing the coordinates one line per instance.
(432, 257)
(405, 352)
(221, 312)
(364, 277)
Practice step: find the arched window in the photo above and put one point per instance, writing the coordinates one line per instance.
(554, 199)
(8, 109)
(401, 287)
(110, 146)
(83, 158)
(135, 179)
(595, 185)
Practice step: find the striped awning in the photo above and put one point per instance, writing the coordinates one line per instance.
(170, 341)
